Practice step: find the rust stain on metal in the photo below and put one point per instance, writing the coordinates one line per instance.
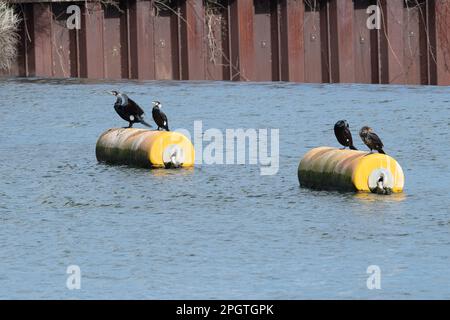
(341, 41)
(392, 42)
(141, 40)
(42, 17)
(91, 44)
(113, 43)
(242, 43)
(263, 53)
(317, 67)
(292, 47)
(166, 45)
(365, 45)
(440, 13)
(193, 53)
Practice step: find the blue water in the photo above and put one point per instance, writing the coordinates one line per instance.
(219, 231)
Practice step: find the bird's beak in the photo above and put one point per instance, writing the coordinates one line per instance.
(154, 103)
(110, 92)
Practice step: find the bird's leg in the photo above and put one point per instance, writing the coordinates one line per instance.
(130, 125)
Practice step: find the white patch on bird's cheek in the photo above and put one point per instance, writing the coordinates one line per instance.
(123, 98)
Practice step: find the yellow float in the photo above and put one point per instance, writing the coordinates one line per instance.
(348, 170)
(145, 148)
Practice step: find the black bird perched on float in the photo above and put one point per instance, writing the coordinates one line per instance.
(159, 116)
(371, 139)
(343, 134)
(128, 110)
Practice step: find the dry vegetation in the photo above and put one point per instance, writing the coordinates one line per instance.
(9, 38)
(214, 21)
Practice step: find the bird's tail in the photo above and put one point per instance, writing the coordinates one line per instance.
(145, 123)
(352, 147)
(381, 151)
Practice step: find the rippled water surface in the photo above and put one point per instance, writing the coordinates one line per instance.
(219, 231)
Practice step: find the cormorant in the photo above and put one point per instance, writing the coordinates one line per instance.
(343, 134)
(371, 139)
(128, 110)
(159, 116)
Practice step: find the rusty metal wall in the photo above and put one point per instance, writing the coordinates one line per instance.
(248, 40)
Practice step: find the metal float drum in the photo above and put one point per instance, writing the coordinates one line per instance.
(145, 148)
(349, 170)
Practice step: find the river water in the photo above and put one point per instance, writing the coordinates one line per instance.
(219, 231)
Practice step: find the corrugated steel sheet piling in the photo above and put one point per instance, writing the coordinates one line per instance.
(315, 41)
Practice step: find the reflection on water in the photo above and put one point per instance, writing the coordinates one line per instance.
(171, 172)
(219, 231)
(371, 197)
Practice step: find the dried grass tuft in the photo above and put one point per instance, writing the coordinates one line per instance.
(9, 37)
